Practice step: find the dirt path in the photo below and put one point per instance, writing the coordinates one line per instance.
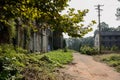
(85, 68)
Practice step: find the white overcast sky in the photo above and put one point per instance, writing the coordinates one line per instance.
(108, 13)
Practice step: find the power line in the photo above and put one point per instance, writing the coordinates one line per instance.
(98, 8)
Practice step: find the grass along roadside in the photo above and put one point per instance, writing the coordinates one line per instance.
(60, 57)
(23, 66)
(112, 60)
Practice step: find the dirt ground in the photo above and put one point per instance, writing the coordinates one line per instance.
(84, 67)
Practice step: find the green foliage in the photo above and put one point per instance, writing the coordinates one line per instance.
(21, 50)
(59, 57)
(65, 49)
(88, 50)
(105, 48)
(20, 65)
(6, 48)
(35, 14)
(106, 28)
(76, 43)
(8, 29)
(42, 14)
(10, 63)
(73, 43)
(38, 72)
(64, 45)
(114, 48)
(71, 23)
(32, 10)
(112, 60)
(118, 12)
(87, 41)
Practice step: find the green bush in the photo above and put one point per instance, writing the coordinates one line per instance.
(6, 48)
(88, 50)
(21, 66)
(105, 48)
(114, 48)
(11, 65)
(21, 50)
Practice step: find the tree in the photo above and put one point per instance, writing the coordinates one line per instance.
(42, 14)
(71, 23)
(118, 28)
(118, 13)
(88, 41)
(105, 27)
(77, 43)
(44, 11)
(30, 10)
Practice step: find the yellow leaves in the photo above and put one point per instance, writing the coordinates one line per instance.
(72, 9)
(93, 21)
(18, 9)
(86, 10)
(23, 8)
(5, 8)
(28, 1)
(29, 12)
(35, 30)
(34, 12)
(81, 25)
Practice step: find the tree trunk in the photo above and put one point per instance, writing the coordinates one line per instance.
(57, 40)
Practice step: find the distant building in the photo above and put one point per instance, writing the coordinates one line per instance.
(108, 39)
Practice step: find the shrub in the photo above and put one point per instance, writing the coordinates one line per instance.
(114, 48)
(6, 48)
(105, 48)
(88, 50)
(21, 50)
(10, 67)
(22, 66)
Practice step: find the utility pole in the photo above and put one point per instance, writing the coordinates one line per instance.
(99, 19)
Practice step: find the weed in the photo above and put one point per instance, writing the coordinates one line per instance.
(19, 65)
(112, 60)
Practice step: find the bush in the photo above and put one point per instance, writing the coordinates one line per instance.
(21, 50)
(22, 66)
(6, 48)
(114, 48)
(88, 50)
(105, 48)
(11, 65)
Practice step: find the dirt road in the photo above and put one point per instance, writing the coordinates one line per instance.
(85, 68)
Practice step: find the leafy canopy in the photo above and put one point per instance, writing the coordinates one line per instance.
(46, 13)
